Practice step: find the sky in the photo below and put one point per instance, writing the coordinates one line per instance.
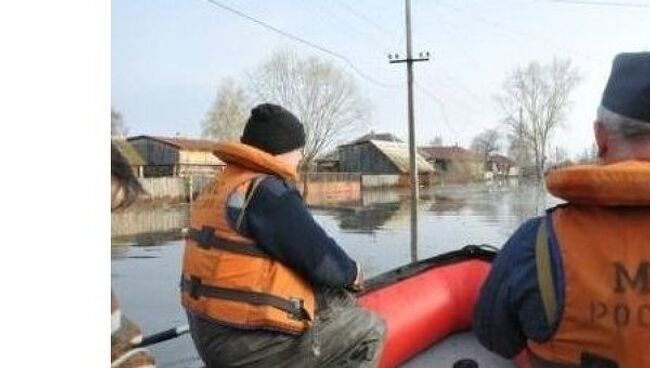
(168, 57)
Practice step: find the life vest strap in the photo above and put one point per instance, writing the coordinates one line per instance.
(588, 360)
(545, 273)
(206, 239)
(252, 187)
(293, 306)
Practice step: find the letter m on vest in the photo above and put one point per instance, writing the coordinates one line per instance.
(639, 280)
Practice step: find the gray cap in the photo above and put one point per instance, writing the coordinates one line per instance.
(628, 88)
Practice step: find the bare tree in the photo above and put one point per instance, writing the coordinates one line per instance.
(226, 118)
(486, 143)
(118, 127)
(559, 157)
(534, 103)
(323, 96)
(518, 148)
(588, 155)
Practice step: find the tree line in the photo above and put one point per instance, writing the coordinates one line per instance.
(323, 96)
(533, 103)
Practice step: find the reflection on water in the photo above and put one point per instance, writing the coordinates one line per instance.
(145, 280)
(375, 232)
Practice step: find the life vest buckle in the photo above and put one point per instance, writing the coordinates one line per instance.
(298, 309)
(203, 237)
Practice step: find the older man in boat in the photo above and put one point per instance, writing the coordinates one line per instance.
(573, 286)
(262, 283)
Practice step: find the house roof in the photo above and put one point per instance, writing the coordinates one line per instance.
(501, 160)
(387, 137)
(129, 152)
(447, 153)
(398, 154)
(187, 144)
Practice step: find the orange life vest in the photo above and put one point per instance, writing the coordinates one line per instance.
(603, 235)
(226, 277)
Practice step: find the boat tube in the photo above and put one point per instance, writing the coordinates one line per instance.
(424, 302)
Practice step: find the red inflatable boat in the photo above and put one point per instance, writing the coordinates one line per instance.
(428, 308)
(425, 302)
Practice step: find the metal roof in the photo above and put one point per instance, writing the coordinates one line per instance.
(187, 144)
(129, 152)
(372, 136)
(398, 154)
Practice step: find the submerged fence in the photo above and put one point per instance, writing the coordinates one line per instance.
(174, 189)
(165, 188)
(320, 184)
(380, 181)
(330, 188)
(150, 219)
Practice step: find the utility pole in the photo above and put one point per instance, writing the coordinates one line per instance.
(413, 171)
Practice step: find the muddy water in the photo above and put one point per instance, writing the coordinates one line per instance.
(375, 231)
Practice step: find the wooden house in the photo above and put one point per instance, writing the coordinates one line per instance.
(382, 154)
(165, 156)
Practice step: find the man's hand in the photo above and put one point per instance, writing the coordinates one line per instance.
(357, 285)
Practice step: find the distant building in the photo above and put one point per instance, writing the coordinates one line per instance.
(454, 162)
(378, 154)
(131, 155)
(499, 165)
(165, 156)
(330, 162)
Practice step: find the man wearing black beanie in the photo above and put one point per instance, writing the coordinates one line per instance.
(572, 287)
(263, 284)
(273, 129)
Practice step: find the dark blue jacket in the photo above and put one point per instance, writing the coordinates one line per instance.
(510, 309)
(278, 219)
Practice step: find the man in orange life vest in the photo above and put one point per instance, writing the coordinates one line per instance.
(262, 283)
(573, 286)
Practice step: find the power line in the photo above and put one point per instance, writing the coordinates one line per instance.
(367, 20)
(441, 105)
(527, 35)
(603, 3)
(345, 24)
(304, 42)
(453, 37)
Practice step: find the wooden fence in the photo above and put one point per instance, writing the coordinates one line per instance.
(149, 219)
(165, 188)
(325, 188)
(174, 189)
(380, 181)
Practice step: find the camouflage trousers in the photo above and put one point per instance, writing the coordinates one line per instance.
(343, 335)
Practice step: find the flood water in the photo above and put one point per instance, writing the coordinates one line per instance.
(145, 269)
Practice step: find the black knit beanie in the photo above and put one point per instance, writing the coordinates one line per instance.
(273, 129)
